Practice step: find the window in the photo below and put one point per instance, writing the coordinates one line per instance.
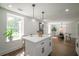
(16, 23)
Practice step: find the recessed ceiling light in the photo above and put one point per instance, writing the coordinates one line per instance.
(66, 10)
(10, 6)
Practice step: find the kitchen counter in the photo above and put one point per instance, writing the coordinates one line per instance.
(35, 38)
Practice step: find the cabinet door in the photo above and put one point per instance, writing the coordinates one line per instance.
(44, 47)
(48, 47)
(40, 51)
(77, 46)
(77, 50)
(41, 47)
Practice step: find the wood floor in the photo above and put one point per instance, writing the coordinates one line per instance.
(60, 48)
(64, 48)
(18, 52)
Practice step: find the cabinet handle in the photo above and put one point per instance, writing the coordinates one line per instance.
(49, 43)
(77, 44)
(43, 50)
(42, 43)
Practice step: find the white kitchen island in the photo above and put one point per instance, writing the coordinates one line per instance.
(38, 46)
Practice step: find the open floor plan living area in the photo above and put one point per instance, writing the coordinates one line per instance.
(39, 29)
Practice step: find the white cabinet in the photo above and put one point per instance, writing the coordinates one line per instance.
(77, 46)
(40, 48)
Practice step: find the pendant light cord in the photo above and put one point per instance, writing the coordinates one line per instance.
(33, 12)
(33, 5)
(42, 15)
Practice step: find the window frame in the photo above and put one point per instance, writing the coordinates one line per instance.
(21, 28)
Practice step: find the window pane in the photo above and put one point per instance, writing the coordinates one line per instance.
(15, 23)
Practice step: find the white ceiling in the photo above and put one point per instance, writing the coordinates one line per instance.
(53, 11)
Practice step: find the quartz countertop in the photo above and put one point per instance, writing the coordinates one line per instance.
(35, 38)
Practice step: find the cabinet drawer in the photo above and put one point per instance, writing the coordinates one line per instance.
(43, 43)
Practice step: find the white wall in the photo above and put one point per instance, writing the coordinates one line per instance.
(2, 24)
(72, 28)
(58, 27)
(30, 27)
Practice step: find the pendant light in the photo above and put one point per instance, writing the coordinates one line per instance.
(33, 5)
(43, 16)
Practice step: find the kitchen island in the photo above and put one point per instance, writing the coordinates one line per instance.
(37, 46)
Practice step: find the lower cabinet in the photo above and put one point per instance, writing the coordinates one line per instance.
(77, 46)
(42, 48)
(40, 51)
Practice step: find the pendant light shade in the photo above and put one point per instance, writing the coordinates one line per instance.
(33, 19)
(44, 20)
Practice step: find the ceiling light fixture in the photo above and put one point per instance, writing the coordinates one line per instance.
(43, 16)
(66, 10)
(10, 6)
(33, 5)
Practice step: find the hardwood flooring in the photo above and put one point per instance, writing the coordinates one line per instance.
(60, 48)
(18, 52)
(64, 48)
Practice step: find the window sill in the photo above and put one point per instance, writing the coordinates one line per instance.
(14, 39)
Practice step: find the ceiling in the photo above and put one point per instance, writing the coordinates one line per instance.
(53, 11)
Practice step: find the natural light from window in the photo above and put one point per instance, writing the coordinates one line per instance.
(16, 23)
